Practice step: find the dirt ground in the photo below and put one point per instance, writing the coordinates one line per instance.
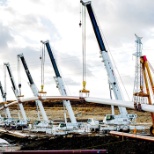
(82, 111)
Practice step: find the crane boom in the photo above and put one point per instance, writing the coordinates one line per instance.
(15, 90)
(7, 110)
(60, 83)
(2, 92)
(106, 59)
(33, 87)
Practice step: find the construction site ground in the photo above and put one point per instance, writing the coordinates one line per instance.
(55, 111)
(83, 111)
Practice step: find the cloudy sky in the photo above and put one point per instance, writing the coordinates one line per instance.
(23, 24)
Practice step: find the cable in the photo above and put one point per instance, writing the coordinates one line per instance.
(84, 42)
(42, 58)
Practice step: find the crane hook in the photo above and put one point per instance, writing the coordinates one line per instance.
(80, 23)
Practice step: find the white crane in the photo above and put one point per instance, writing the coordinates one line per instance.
(7, 110)
(59, 82)
(33, 88)
(16, 91)
(108, 64)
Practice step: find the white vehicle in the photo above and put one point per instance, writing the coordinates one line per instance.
(9, 121)
(118, 119)
(41, 126)
(93, 125)
(19, 124)
(15, 123)
(62, 128)
(92, 122)
(70, 128)
(67, 126)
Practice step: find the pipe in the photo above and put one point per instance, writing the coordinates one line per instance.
(127, 104)
(57, 151)
(148, 138)
(22, 100)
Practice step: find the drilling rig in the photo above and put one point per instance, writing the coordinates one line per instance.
(143, 85)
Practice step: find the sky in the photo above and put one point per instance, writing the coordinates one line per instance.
(23, 24)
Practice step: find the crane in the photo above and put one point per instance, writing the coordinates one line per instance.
(17, 94)
(144, 84)
(19, 123)
(106, 59)
(7, 110)
(59, 82)
(34, 89)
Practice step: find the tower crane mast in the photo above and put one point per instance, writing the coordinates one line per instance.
(59, 82)
(138, 74)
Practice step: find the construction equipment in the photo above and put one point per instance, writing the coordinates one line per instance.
(60, 83)
(7, 110)
(17, 95)
(143, 85)
(108, 64)
(34, 89)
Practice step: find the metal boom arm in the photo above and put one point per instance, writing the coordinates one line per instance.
(7, 110)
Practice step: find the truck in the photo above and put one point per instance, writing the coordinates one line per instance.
(118, 119)
(93, 125)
